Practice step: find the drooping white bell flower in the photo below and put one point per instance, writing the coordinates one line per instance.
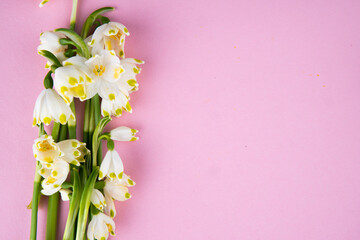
(74, 151)
(127, 80)
(49, 106)
(65, 193)
(98, 199)
(73, 80)
(115, 107)
(111, 166)
(116, 189)
(50, 41)
(123, 134)
(46, 151)
(54, 176)
(100, 226)
(110, 36)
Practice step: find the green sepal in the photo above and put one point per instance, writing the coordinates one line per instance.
(110, 144)
(99, 185)
(66, 185)
(51, 57)
(70, 53)
(48, 81)
(94, 210)
(91, 19)
(76, 39)
(104, 19)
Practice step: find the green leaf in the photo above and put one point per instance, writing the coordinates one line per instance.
(85, 204)
(91, 19)
(76, 39)
(95, 141)
(74, 204)
(51, 57)
(99, 185)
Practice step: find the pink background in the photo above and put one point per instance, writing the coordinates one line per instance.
(248, 114)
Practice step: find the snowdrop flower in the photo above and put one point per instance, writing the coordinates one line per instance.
(54, 176)
(110, 36)
(50, 106)
(111, 166)
(123, 134)
(100, 226)
(72, 80)
(46, 151)
(127, 80)
(50, 41)
(115, 107)
(73, 151)
(116, 189)
(98, 199)
(43, 3)
(65, 193)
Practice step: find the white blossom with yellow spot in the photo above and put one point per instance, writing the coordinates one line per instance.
(49, 106)
(50, 41)
(46, 151)
(110, 36)
(127, 81)
(98, 199)
(74, 151)
(123, 134)
(100, 226)
(54, 176)
(73, 80)
(111, 166)
(118, 190)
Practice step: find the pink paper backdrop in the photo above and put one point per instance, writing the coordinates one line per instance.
(248, 114)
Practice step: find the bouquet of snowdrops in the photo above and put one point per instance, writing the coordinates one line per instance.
(94, 69)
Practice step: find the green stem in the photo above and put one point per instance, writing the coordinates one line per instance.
(36, 194)
(53, 201)
(73, 15)
(91, 123)
(86, 123)
(97, 116)
(51, 223)
(72, 122)
(35, 203)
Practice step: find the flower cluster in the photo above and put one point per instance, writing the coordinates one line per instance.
(92, 69)
(54, 159)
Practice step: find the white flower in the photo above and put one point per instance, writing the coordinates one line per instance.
(98, 199)
(123, 134)
(116, 189)
(50, 106)
(115, 107)
(100, 226)
(54, 158)
(127, 80)
(74, 151)
(111, 166)
(50, 41)
(72, 80)
(64, 193)
(110, 36)
(54, 176)
(46, 151)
